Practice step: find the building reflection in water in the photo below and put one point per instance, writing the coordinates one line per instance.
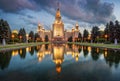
(14, 52)
(105, 52)
(59, 52)
(5, 57)
(58, 56)
(42, 51)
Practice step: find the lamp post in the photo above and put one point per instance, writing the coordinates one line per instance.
(26, 38)
(20, 38)
(115, 38)
(106, 36)
(13, 38)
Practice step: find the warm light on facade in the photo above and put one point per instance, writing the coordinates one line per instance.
(57, 32)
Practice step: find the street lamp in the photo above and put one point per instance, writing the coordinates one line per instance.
(106, 36)
(20, 38)
(13, 38)
(26, 38)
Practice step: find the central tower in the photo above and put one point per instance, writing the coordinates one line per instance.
(58, 27)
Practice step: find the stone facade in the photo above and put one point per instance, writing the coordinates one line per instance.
(57, 32)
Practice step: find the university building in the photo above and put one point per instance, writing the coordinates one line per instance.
(58, 32)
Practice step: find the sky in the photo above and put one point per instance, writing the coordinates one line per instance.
(88, 13)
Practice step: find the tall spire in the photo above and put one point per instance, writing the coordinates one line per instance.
(58, 4)
(77, 26)
(58, 14)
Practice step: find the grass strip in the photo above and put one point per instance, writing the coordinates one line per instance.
(20, 45)
(111, 46)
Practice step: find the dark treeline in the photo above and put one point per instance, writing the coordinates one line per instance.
(111, 34)
(9, 37)
(5, 32)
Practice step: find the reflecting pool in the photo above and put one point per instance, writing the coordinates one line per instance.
(50, 62)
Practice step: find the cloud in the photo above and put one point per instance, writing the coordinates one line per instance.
(16, 5)
(89, 11)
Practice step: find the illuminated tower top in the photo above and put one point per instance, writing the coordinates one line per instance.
(77, 26)
(58, 14)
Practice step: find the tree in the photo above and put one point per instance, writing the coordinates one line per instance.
(107, 31)
(111, 28)
(22, 35)
(116, 32)
(31, 36)
(5, 58)
(46, 38)
(113, 57)
(113, 31)
(22, 53)
(5, 32)
(70, 39)
(85, 51)
(36, 36)
(79, 37)
(94, 54)
(32, 51)
(95, 33)
(85, 35)
(16, 38)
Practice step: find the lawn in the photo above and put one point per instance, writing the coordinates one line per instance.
(20, 45)
(112, 46)
(23, 45)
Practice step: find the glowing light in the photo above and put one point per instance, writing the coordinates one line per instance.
(13, 35)
(40, 56)
(14, 52)
(15, 31)
(106, 36)
(77, 58)
(58, 69)
(89, 49)
(20, 37)
(106, 53)
(97, 50)
(20, 51)
(27, 49)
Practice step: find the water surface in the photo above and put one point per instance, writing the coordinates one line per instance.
(60, 63)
